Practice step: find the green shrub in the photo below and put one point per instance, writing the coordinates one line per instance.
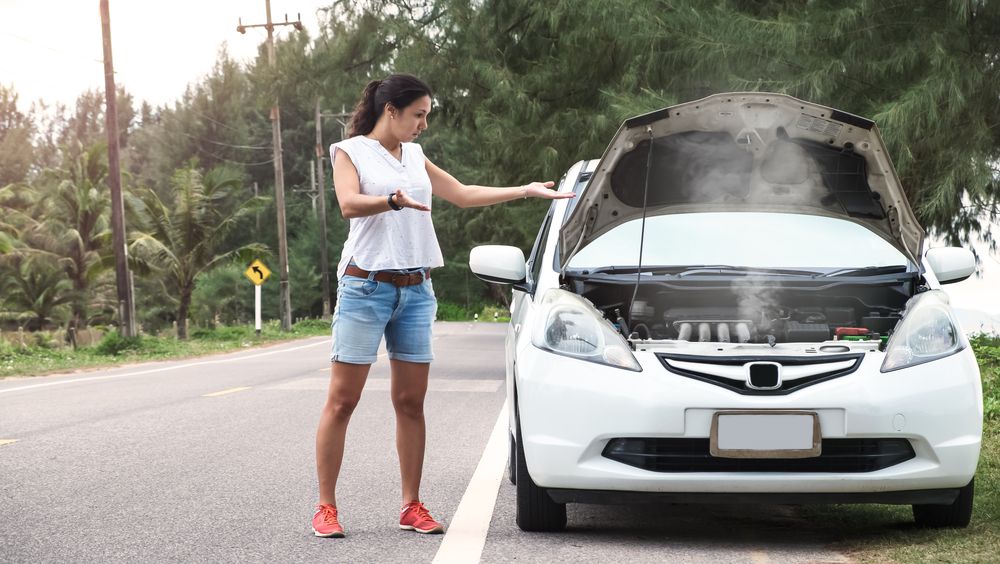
(113, 344)
(7, 350)
(452, 312)
(43, 340)
(494, 313)
(223, 333)
(987, 348)
(309, 324)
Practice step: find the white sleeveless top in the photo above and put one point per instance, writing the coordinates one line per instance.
(392, 239)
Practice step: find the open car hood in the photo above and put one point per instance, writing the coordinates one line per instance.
(745, 151)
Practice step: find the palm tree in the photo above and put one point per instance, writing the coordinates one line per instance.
(33, 289)
(186, 238)
(14, 215)
(37, 292)
(77, 219)
(63, 215)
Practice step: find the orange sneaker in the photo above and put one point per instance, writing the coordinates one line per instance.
(325, 522)
(415, 517)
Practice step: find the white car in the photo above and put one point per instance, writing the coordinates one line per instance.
(737, 307)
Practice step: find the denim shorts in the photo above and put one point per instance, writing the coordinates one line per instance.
(367, 309)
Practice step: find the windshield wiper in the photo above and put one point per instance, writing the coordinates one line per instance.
(865, 271)
(729, 269)
(688, 270)
(632, 269)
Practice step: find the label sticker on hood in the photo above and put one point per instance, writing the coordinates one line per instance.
(819, 125)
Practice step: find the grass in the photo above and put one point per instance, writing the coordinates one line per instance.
(42, 356)
(114, 350)
(448, 311)
(879, 533)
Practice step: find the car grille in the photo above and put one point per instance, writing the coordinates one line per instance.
(728, 372)
(692, 455)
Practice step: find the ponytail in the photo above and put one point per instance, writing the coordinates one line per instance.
(365, 114)
(400, 90)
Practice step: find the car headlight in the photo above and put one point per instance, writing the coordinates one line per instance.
(572, 327)
(927, 332)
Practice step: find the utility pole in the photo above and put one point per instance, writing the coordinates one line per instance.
(285, 302)
(126, 309)
(321, 154)
(311, 191)
(314, 193)
(257, 214)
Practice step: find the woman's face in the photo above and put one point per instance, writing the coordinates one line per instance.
(411, 121)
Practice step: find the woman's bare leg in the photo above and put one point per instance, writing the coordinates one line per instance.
(409, 387)
(346, 383)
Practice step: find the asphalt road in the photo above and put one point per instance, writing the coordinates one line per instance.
(212, 460)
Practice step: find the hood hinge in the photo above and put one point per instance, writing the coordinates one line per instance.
(893, 214)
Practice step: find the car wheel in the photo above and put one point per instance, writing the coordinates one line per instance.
(512, 459)
(535, 509)
(957, 514)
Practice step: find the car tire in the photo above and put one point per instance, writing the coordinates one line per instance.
(535, 509)
(957, 514)
(512, 459)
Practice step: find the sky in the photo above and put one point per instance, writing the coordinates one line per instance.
(52, 50)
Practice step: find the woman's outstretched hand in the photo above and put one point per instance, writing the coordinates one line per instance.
(544, 190)
(406, 201)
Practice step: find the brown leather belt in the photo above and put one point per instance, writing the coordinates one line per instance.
(395, 278)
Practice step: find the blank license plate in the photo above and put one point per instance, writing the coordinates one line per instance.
(770, 434)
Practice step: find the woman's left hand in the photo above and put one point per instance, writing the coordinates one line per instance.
(544, 190)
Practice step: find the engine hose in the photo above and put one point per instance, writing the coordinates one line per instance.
(622, 326)
(645, 330)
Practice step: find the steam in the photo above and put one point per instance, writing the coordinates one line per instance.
(787, 175)
(750, 169)
(755, 295)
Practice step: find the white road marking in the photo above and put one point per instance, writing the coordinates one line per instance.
(154, 370)
(466, 535)
(384, 385)
(759, 557)
(7, 441)
(224, 392)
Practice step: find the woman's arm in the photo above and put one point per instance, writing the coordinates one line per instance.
(347, 184)
(446, 186)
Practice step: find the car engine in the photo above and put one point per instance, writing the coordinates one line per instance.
(759, 314)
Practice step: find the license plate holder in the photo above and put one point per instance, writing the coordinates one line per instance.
(765, 434)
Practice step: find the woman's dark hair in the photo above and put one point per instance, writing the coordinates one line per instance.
(400, 90)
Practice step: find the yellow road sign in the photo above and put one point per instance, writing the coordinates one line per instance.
(257, 272)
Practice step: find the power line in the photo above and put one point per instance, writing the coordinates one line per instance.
(214, 156)
(221, 144)
(254, 147)
(53, 49)
(215, 121)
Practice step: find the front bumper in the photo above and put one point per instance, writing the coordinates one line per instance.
(941, 496)
(569, 410)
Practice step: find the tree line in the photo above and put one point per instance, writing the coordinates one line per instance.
(523, 89)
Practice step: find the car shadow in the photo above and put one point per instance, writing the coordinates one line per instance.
(724, 532)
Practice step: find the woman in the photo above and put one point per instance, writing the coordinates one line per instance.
(384, 185)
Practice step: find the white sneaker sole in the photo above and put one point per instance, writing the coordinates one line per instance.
(328, 535)
(435, 530)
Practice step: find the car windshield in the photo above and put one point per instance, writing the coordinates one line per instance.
(741, 239)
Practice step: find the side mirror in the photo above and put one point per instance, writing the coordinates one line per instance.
(951, 264)
(499, 264)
